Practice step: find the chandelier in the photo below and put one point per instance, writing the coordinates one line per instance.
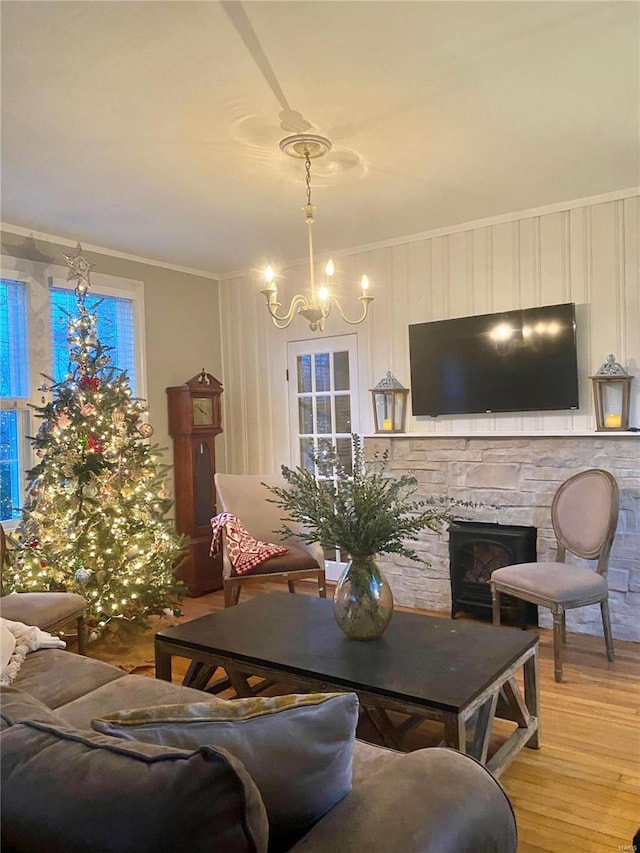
(316, 307)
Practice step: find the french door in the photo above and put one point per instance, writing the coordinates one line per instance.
(323, 407)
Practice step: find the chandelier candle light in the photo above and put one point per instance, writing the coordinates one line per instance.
(317, 307)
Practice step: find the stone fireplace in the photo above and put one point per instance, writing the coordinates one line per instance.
(515, 478)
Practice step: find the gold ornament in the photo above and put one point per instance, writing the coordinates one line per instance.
(145, 430)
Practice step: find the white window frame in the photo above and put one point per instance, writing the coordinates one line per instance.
(338, 343)
(39, 278)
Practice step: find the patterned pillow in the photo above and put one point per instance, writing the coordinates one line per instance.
(298, 749)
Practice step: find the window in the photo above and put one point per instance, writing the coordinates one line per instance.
(323, 405)
(14, 389)
(34, 313)
(115, 329)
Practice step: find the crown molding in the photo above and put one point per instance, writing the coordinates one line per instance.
(102, 250)
(530, 213)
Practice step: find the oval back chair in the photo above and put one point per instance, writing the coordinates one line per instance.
(584, 515)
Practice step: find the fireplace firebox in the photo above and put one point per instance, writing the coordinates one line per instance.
(476, 549)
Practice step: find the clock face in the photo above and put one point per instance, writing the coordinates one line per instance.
(202, 411)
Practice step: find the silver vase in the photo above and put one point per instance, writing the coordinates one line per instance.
(363, 602)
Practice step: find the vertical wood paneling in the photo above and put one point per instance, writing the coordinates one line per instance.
(503, 285)
(631, 212)
(440, 283)
(588, 255)
(552, 271)
(605, 283)
(401, 316)
(419, 267)
(482, 270)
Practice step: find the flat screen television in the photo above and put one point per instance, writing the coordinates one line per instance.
(514, 361)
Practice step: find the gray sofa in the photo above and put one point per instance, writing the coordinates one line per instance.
(160, 799)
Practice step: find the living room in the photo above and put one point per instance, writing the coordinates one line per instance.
(485, 159)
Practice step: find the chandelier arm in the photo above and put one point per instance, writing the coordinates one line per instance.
(296, 303)
(366, 301)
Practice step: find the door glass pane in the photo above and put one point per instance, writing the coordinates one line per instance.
(343, 449)
(323, 372)
(305, 412)
(306, 449)
(304, 374)
(343, 414)
(323, 410)
(341, 371)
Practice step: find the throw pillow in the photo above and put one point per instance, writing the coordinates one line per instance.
(16, 706)
(7, 646)
(69, 791)
(298, 749)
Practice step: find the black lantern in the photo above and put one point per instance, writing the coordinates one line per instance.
(389, 404)
(611, 393)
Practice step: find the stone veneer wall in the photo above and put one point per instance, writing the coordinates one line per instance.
(519, 476)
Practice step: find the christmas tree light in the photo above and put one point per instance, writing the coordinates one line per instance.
(94, 519)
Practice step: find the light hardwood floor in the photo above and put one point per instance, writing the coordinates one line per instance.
(581, 790)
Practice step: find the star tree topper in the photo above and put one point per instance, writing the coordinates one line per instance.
(79, 269)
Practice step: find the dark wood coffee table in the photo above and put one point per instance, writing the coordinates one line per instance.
(460, 672)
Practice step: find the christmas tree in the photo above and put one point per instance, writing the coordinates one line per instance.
(94, 520)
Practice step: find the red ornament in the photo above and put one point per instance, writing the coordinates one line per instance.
(93, 445)
(33, 544)
(90, 382)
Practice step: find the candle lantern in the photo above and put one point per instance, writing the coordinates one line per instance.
(611, 393)
(389, 404)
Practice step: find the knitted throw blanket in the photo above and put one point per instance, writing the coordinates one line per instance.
(245, 552)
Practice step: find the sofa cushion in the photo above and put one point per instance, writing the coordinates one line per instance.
(67, 791)
(57, 677)
(16, 706)
(298, 749)
(130, 691)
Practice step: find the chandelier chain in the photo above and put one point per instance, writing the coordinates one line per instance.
(307, 168)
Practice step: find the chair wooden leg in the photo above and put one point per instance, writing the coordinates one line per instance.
(231, 593)
(80, 629)
(322, 585)
(564, 627)
(495, 601)
(606, 624)
(558, 645)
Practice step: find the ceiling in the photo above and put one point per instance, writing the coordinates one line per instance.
(152, 128)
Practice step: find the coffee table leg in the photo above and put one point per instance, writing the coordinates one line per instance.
(532, 696)
(383, 726)
(455, 732)
(163, 662)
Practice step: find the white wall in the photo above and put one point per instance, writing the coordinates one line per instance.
(582, 253)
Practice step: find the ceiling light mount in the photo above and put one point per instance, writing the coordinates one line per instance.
(317, 307)
(303, 145)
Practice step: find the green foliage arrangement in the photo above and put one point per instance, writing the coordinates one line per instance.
(363, 512)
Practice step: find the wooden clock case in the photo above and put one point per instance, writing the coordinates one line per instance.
(195, 419)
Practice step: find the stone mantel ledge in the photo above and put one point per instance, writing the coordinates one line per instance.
(514, 434)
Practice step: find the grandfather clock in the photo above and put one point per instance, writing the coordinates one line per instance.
(195, 419)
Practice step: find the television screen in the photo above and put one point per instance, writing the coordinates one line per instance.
(514, 361)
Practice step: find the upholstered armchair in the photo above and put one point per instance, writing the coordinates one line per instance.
(49, 611)
(245, 496)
